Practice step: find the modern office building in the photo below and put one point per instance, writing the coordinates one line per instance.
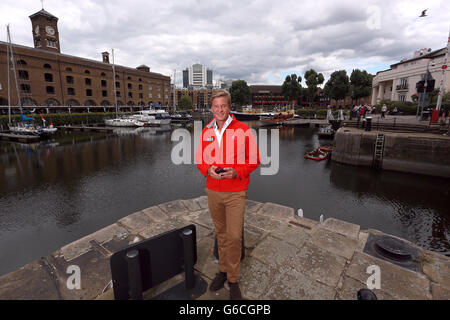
(399, 82)
(46, 77)
(197, 76)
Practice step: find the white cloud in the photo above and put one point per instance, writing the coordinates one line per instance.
(259, 41)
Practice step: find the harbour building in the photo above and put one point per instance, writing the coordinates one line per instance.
(46, 77)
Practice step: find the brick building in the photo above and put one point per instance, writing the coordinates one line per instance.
(47, 77)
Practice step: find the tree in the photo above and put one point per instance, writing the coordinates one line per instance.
(313, 79)
(186, 102)
(361, 84)
(240, 92)
(291, 87)
(337, 87)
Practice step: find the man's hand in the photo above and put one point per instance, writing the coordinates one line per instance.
(229, 173)
(212, 173)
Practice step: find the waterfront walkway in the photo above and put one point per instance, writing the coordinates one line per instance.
(287, 257)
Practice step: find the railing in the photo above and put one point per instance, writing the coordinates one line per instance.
(402, 87)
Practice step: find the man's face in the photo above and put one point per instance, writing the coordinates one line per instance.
(220, 108)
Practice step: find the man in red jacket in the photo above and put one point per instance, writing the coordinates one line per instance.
(226, 155)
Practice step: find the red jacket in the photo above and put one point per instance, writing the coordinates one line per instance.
(238, 150)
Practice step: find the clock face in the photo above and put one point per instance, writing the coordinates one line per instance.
(36, 30)
(50, 30)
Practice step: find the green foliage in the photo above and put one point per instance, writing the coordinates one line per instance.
(337, 87)
(186, 102)
(240, 92)
(313, 79)
(361, 84)
(405, 108)
(291, 87)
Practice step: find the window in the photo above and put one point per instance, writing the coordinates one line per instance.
(103, 83)
(21, 63)
(50, 90)
(149, 87)
(103, 74)
(150, 95)
(23, 74)
(104, 93)
(69, 69)
(87, 72)
(159, 96)
(141, 95)
(166, 89)
(37, 43)
(140, 79)
(71, 91)
(129, 78)
(130, 95)
(130, 86)
(140, 87)
(89, 92)
(118, 94)
(87, 81)
(159, 88)
(167, 97)
(48, 77)
(401, 97)
(404, 82)
(149, 81)
(25, 88)
(47, 66)
(69, 79)
(117, 84)
(117, 77)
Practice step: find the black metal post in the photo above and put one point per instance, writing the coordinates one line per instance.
(188, 249)
(134, 275)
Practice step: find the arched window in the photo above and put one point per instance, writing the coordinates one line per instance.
(117, 76)
(21, 62)
(47, 66)
(23, 74)
(69, 69)
(140, 80)
(103, 74)
(50, 90)
(129, 78)
(87, 72)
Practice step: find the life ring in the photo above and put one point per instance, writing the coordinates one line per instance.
(326, 148)
(317, 155)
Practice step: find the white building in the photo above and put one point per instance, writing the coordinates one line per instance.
(399, 82)
(197, 76)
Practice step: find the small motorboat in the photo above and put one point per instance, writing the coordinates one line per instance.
(123, 122)
(326, 132)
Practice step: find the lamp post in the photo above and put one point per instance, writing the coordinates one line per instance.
(422, 100)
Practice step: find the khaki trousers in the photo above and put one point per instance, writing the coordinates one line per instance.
(227, 212)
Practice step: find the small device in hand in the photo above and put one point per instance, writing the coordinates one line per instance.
(220, 170)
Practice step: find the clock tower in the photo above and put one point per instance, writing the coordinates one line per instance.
(45, 31)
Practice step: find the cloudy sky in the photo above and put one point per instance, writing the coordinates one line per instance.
(258, 41)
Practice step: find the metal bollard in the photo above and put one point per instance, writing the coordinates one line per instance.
(188, 249)
(134, 275)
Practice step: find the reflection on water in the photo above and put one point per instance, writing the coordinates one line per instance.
(55, 192)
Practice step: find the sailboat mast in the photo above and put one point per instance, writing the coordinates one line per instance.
(9, 85)
(114, 82)
(14, 68)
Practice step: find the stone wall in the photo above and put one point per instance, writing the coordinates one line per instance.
(421, 153)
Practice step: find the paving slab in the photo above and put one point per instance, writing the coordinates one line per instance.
(362, 239)
(307, 224)
(252, 206)
(276, 211)
(274, 252)
(351, 287)
(202, 217)
(31, 282)
(191, 204)
(398, 282)
(289, 284)
(206, 261)
(202, 202)
(440, 292)
(261, 222)
(155, 213)
(342, 227)
(334, 242)
(252, 236)
(167, 225)
(436, 267)
(318, 264)
(136, 222)
(294, 235)
(174, 208)
(255, 278)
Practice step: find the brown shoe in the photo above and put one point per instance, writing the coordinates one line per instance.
(218, 281)
(235, 292)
